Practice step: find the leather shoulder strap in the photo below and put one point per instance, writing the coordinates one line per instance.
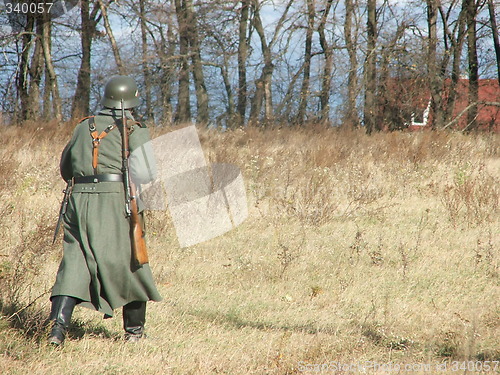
(96, 140)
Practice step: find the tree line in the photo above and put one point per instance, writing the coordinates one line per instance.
(231, 63)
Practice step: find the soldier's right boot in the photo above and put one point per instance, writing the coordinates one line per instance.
(60, 315)
(134, 317)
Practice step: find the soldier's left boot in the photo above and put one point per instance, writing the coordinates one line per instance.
(60, 315)
(134, 318)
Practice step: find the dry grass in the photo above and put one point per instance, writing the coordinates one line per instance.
(357, 248)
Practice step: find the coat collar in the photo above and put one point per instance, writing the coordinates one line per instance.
(115, 113)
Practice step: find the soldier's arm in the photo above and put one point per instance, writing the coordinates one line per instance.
(65, 166)
(142, 160)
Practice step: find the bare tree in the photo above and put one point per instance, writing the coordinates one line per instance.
(385, 118)
(456, 37)
(112, 40)
(263, 85)
(89, 21)
(472, 9)
(34, 65)
(167, 50)
(494, 32)
(29, 70)
(202, 116)
(145, 59)
(36, 70)
(435, 79)
(370, 67)
(304, 90)
(51, 86)
(351, 114)
(190, 49)
(242, 60)
(164, 42)
(183, 111)
(232, 121)
(326, 79)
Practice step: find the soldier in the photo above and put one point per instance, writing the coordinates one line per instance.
(97, 269)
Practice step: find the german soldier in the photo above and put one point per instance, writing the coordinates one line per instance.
(97, 270)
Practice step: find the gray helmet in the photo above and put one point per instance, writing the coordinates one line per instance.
(118, 88)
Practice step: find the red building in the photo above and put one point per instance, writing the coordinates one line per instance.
(488, 113)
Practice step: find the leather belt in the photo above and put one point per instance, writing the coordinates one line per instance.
(94, 179)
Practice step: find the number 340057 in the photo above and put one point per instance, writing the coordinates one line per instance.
(28, 8)
(471, 366)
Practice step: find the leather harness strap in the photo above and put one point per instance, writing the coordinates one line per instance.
(96, 140)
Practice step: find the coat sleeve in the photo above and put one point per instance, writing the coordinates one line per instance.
(142, 160)
(65, 166)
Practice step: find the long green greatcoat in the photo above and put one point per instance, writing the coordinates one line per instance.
(97, 265)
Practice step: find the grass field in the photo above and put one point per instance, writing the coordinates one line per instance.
(360, 254)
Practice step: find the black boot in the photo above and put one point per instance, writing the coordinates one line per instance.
(62, 309)
(134, 317)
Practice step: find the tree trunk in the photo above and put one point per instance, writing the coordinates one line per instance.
(232, 119)
(256, 102)
(326, 79)
(165, 48)
(263, 84)
(23, 71)
(202, 113)
(351, 117)
(432, 66)
(494, 31)
(112, 40)
(183, 111)
(47, 92)
(35, 74)
(304, 90)
(286, 105)
(383, 114)
(457, 42)
(473, 64)
(229, 93)
(168, 75)
(242, 61)
(370, 68)
(258, 97)
(47, 103)
(145, 61)
(51, 77)
(386, 117)
(81, 98)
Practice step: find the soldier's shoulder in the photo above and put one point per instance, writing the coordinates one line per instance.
(139, 127)
(81, 123)
(140, 124)
(85, 119)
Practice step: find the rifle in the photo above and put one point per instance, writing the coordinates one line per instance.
(64, 205)
(137, 239)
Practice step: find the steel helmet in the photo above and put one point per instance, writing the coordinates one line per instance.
(118, 88)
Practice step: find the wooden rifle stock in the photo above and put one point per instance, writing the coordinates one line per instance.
(137, 240)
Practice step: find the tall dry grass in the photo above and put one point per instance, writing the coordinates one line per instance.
(357, 249)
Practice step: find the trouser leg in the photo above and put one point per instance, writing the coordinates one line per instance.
(60, 314)
(134, 317)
